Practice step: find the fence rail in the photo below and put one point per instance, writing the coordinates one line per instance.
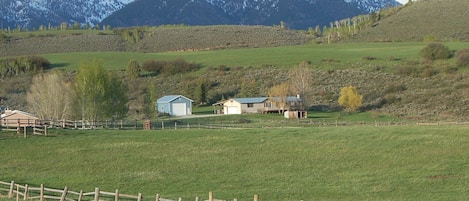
(42, 193)
(40, 127)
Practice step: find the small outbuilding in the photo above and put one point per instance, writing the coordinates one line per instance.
(11, 118)
(174, 105)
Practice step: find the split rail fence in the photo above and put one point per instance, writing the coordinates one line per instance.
(41, 127)
(42, 193)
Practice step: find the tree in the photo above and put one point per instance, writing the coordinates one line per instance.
(248, 88)
(50, 97)
(116, 99)
(133, 69)
(301, 80)
(201, 91)
(350, 98)
(98, 94)
(278, 94)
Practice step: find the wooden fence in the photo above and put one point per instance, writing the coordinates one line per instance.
(40, 127)
(26, 192)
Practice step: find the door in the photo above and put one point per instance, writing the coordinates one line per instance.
(179, 109)
(233, 110)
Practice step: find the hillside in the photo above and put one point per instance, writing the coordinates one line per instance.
(444, 19)
(152, 39)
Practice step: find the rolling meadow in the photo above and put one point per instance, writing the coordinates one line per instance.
(379, 153)
(315, 163)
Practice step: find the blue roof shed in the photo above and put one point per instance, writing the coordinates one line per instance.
(174, 105)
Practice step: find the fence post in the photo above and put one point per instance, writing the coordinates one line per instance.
(175, 125)
(116, 198)
(157, 197)
(196, 198)
(256, 197)
(96, 194)
(64, 194)
(80, 196)
(17, 192)
(25, 196)
(139, 197)
(210, 196)
(41, 193)
(12, 186)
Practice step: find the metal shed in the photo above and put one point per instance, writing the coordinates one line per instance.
(174, 105)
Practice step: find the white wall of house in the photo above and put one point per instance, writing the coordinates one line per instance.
(231, 107)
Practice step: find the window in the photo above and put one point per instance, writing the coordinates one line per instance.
(268, 104)
(250, 104)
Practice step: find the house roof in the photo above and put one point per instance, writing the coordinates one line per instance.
(291, 99)
(250, 100)
(259, 100)
(170, 98)
(11, 113)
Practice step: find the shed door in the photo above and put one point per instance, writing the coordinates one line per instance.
(179, 109)
(233, 110)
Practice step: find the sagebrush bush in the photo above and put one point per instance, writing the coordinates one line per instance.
(169, 67)
(462, 57)
(435, 51)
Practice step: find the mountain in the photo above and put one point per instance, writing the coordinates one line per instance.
(33, 13)
(297, 14)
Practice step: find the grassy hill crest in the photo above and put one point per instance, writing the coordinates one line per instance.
(444, 19)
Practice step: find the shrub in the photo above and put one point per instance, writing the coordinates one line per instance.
(462, 57)
(17, 65)
(169, 67)
(430, 38)
(434, 51)
(369, 58)
(408, 71)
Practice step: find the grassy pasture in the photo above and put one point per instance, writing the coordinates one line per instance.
(343, 163)
(344, 55)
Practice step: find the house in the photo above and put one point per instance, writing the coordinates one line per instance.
(174, 105)
(11, 118)
(257, 105)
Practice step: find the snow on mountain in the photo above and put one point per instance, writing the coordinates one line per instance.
(33, 13)
(373, 5)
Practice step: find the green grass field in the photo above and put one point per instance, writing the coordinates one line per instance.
(345, 55)
(338, 163)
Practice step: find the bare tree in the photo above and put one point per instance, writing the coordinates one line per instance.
(278, 95)
(301, 80)
(50, 96)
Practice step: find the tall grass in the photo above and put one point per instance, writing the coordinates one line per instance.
(344, 163)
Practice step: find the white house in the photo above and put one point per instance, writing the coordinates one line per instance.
(256, 105)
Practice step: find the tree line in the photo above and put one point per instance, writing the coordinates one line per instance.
(345, 28)
(25, 64)
(92, 94)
